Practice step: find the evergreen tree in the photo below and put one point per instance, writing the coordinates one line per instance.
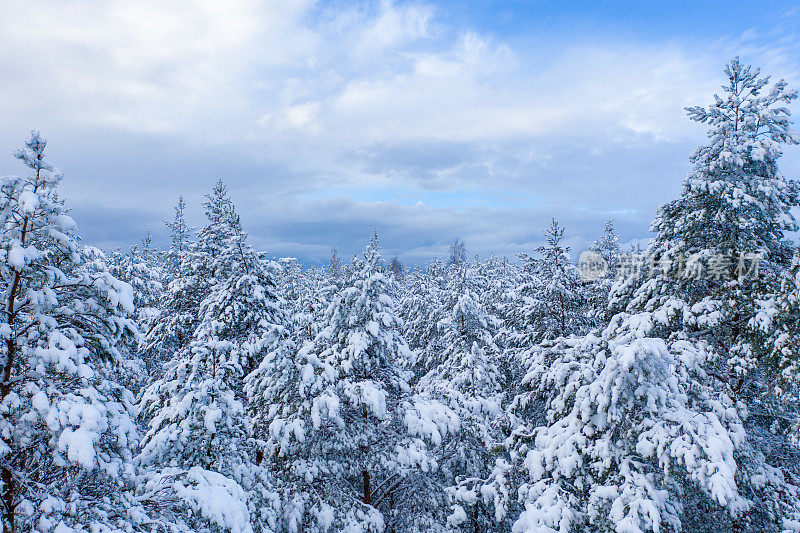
(609, 251)
(458, 253)
(647, 423)
(141, 269)
(562, 299)
(196, 273)
(716, 253)
(470, 383)
(196, 411)
(397, 269)
(552, 298)
(329, 411)
(778, 319)
(180, 234)
(628, 428)
(422, 309)
(608, 247)
(335, 267)
(496, 282)
(67, 428)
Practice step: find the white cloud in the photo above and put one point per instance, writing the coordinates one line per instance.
(394, 26)
(301, 116)
(210, 69)
(158, 66)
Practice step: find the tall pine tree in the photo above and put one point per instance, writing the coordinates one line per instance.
(67, 428)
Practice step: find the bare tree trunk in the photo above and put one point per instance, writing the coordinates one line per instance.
(8, 501)
(367, 491)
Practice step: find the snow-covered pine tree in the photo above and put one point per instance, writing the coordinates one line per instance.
(149, 281)
(141, 268)
(304, 298)
(629, 429)
(196, 412)
(318, 291)
(716, 241)
(426, 303)
(335, 269)
(458, 253)
(180, 237)
(290, 280)
(552, 298)
(776, 328)
(397, 269)
(329, 411)
(647, 422)
(719, 245)
(418, 310)
(243, 307)
(562, 295)
(67, 428)
(778, 321)
(496, 281)
(470, 382)
(521, 325)
(195, 275)
(608, 248)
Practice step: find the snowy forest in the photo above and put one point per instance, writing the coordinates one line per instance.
(211, 387)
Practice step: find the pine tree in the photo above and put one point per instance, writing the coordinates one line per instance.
(180, 237)
(496, 282)
(469, 382)
(458, 253)
(562, 298)
(335, 267)
(716, 253)
(422, 308)
(196, 411)
(628, 424)
(328, 412)
(196, 273)
(142, 270)
(778, 319)
(647, 422)
(601, 272)
(397, 269)
(608, 247)
(729, 221)
(552, 299)
(67, 428)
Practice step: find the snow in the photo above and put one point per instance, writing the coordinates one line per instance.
(40, 402)
(79, 445)
(370, 395)
(28, 202)
(216, 498)
(430, 420)
(16, 257)
(212, 416)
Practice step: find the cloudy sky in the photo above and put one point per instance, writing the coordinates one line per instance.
(429, 121)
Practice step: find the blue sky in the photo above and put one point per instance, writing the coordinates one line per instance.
(429, 121)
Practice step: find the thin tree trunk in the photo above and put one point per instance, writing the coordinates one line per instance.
(367, 491)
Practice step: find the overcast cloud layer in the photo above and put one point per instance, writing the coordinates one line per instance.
(428, 121)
